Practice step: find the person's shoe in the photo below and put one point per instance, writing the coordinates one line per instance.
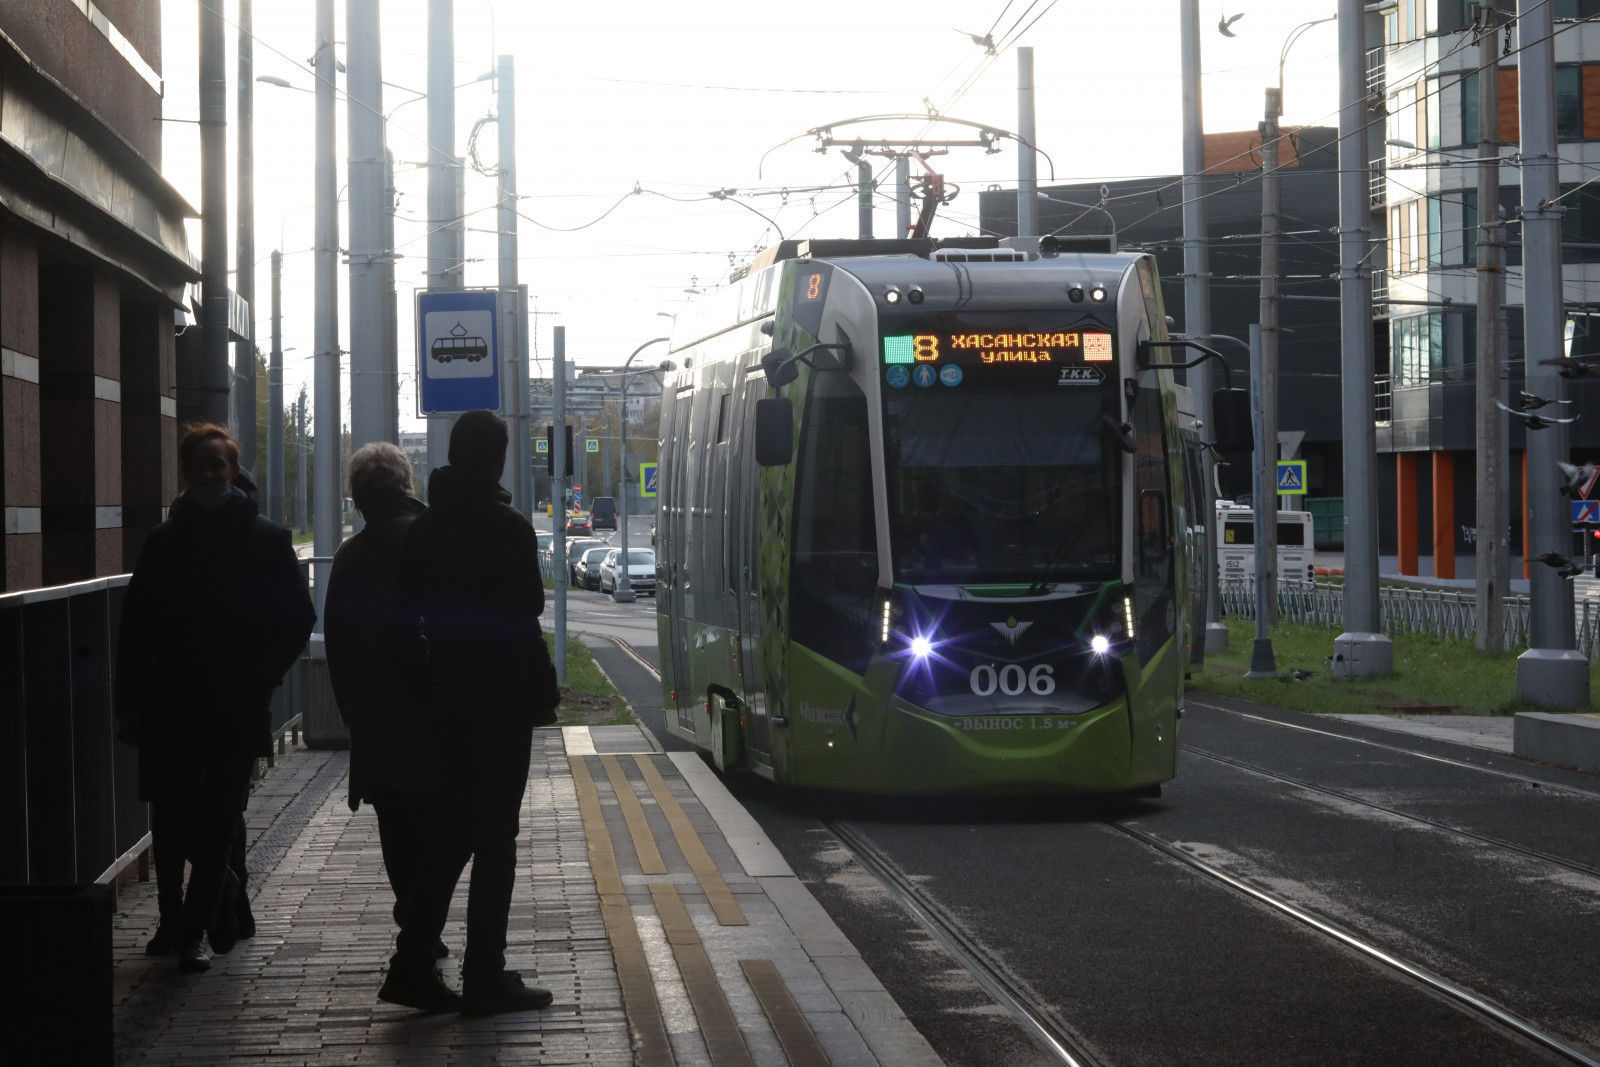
(502, 993)
(164, 943)
(192, 958)
(424, 991)
(244, 920)
(226, 933)
(440, 950)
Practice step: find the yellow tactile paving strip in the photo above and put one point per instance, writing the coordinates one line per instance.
(718, 1026)
(644, 842)
(788, 1021)
(717, 893)
(633, 971)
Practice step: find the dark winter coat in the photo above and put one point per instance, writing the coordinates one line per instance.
(215, 613)
(374, 652)
(471, 569)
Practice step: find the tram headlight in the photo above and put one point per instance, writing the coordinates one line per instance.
(1098, 294)
(1127, 614)
(1099, 644)
(921, 647)
(891, 295)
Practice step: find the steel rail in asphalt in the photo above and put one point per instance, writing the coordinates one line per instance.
(1298, 783)
(1554, 787)
(1463, 997)
(989, 973)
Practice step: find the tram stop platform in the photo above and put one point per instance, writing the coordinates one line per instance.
(668, 927)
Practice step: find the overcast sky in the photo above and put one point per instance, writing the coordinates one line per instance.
(682, 99)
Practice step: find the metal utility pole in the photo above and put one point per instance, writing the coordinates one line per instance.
(863, 191)
(902, 196)
(391, 305)
(624, 590)
(302, 483)
(558, 486)
(1197, 297)
(1492, 533)
(1266, 504)
(244, 352)
(1363, 650)
(207, 397)
(327, 522)
(1552, 672)
(365, 170)
(1262, 663)
(274, 464)
(442, 179)
(1027, 161)
(514, 370)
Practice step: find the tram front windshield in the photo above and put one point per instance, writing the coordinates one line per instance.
(1001, 469)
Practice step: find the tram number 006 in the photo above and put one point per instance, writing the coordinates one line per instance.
(1011, 680)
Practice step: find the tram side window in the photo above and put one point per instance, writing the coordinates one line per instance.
(834, 565)
(1153, 576)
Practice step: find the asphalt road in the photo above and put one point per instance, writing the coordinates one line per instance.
(1474, 868)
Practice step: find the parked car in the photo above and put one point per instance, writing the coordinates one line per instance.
(603, 512)
(641, 571)
(586, 569)
(579, 525)
(576, 547)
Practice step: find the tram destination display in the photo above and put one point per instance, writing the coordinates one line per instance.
(995, 356)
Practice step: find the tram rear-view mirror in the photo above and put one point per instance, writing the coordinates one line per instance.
(779, 367)
(1230, 417)
(774, 431)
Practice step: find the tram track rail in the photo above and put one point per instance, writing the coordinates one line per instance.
(1455, 994)
(1036, 1017)
(1355, 798)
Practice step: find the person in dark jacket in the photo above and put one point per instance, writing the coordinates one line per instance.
(470, 569)
(215, 613)
(373, 648)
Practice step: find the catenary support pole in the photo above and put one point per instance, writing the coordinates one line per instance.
(1262, 663)
(1197, 300)
(244, 351)
(1362, 650)
(302, 494)
(902, 196)
(1551, 673)
(1027, 159)
(442, 178)
(1493, 535)
(864, 195)
(391, 306)
(513, 382)
(327, 521)
(207, 392)
(365, 175)
(558, 486)
(273, 467)
(1266, 509)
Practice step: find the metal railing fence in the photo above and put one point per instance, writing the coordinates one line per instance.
(1446, 613)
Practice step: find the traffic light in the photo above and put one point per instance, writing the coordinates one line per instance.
(550, 450)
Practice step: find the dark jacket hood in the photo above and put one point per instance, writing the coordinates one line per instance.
(452, 489)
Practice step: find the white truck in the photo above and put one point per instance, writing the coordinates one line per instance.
(1236, 548)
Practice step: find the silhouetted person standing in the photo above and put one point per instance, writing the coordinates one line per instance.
(471, 571)
(374, 656)
(215, 613)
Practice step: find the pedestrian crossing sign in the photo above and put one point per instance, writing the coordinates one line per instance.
(1292, 476)
(647, 479)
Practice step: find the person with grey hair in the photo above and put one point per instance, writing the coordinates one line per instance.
(373, 644)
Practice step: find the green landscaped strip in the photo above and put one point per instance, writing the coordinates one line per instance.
(1430, 672)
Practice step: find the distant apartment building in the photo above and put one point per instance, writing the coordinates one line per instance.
(93, 265)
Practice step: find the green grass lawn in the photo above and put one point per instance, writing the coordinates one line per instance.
(588, 698)
(1430, 673)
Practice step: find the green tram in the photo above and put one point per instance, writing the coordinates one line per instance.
(922, 521)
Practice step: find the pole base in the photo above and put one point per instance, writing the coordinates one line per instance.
(1216, 637)
(1553, 678)
(623, 596)
(1262, 663)
(1360, 655)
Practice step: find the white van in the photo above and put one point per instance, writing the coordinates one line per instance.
(1236, 536)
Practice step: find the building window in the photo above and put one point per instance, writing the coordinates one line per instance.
(1428, 110)
(1416, 350)
(1469, 226)
(1469, 108)
(1569, 103)
(1435, 233)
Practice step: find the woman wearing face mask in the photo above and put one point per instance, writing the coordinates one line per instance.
(215, 613)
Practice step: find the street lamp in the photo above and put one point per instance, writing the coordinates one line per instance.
(623, 593)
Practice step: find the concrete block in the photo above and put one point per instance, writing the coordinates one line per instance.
(1562, 740)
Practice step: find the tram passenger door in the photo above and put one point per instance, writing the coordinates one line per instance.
(674, 515)
(745, 508)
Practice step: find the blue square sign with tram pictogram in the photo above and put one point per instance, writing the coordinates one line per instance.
(458, 350)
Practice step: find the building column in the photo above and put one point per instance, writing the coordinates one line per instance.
(1444, 514)
(19, 412)
(1527, 532)
(1406, 507)
(149, 422)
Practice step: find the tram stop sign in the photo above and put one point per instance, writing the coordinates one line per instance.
(458, 352)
